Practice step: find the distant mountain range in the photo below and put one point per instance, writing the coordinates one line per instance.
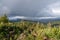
(40, 19)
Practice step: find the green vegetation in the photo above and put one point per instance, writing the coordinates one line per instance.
(4, 19)
(26, 30)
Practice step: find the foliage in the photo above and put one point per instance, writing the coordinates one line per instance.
(26, 30)
(4, 19)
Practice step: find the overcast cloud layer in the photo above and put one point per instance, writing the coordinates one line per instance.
(30, 8)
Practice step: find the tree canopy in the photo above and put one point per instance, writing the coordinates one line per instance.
(4, 19)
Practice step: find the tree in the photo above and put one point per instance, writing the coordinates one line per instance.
(4, 19)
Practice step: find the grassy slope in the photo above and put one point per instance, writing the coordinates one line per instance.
(25, 30)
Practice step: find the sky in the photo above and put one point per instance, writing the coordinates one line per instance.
(30, 8)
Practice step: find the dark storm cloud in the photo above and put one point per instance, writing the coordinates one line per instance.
(25, 7)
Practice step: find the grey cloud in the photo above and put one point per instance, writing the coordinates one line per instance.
(26, 7)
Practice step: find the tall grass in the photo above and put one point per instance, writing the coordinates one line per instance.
(25, 30)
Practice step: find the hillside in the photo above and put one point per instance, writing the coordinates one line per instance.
(29, 30)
